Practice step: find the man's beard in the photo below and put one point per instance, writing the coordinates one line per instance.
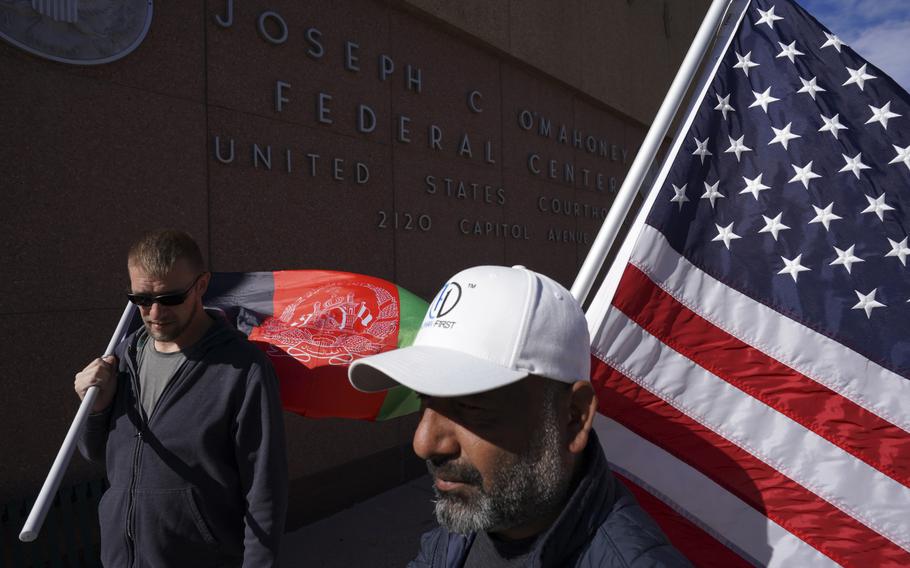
(170, 333)
(535, 484)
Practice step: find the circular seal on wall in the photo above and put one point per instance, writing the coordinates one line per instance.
(81, 32)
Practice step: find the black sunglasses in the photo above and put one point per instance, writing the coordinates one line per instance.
(172, 299)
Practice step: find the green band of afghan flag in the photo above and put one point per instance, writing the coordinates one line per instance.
(312, 324)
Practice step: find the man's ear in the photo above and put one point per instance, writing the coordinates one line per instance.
(582, 408)
(203, 284)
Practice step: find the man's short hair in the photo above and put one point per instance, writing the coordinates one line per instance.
(157, 252)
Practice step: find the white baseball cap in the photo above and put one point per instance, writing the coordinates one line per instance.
(488, 327)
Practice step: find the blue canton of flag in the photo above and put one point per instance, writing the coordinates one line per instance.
(793, 184)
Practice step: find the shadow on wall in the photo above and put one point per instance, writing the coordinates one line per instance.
(69, 536)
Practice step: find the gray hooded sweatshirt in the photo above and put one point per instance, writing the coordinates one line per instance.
(202, 481)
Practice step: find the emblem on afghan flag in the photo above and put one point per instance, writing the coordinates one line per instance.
(312, 324)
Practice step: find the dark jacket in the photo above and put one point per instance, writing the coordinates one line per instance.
(601, 525)
(203, 480)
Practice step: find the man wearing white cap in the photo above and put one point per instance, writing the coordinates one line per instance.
(502, 363)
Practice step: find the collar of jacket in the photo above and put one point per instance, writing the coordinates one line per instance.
(586, 509)
(219, 332)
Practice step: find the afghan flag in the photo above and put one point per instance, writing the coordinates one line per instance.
(312, 324)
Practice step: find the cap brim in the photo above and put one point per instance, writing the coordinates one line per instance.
(433, 371)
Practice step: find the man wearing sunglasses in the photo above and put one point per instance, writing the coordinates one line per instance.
(188, 423)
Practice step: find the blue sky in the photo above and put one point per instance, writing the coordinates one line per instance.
(877, 29)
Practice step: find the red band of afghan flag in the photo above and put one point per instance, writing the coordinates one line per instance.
(312, 324)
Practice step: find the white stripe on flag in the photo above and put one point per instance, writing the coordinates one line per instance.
(851, 485)
(846, 372)
(711, 507)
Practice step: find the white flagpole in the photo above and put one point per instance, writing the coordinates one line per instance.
(646, 154)
(601, 302)
(46, 497)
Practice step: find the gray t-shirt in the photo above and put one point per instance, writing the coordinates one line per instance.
(491, 552)
(155, 372)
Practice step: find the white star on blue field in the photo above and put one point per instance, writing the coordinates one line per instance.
(877, 29)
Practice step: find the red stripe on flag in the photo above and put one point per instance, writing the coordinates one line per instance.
(320, 322)
(789, 504)
(839, 420)
(699, 547)
(321, 392)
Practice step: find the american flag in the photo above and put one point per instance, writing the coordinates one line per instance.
(753, 363)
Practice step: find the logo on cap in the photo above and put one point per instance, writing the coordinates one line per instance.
(446, 300)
